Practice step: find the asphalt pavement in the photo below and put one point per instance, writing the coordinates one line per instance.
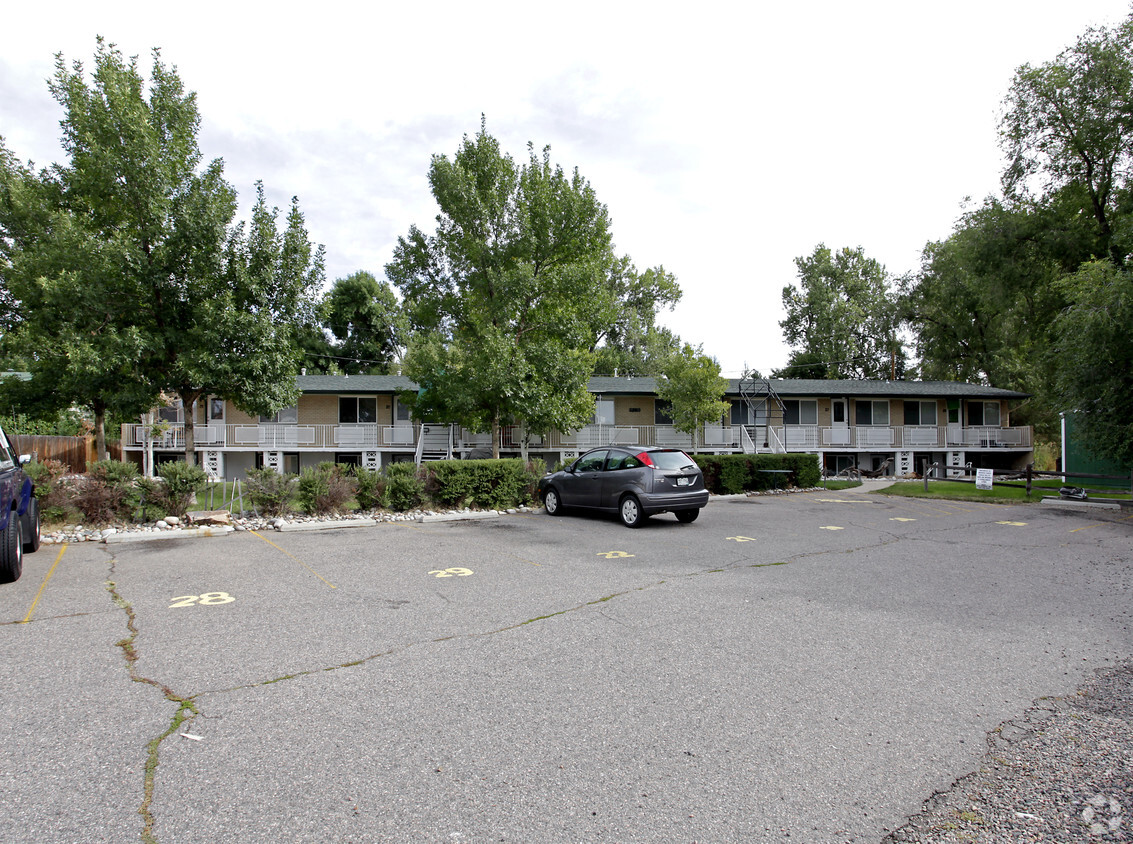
(806, 667)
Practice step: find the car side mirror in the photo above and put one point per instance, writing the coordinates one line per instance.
(25, 459)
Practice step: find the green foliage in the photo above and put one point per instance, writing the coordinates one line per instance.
(371, 489)
(514, 291)
(488, 484)
(694, 388)
(63, 423)
(269, 491)
(841, 314)
(325, 489)
(183, 481)
(1092, 359)
(129, 276)
(404, 490)
(106, 492)
(731, 474)
(367, 322)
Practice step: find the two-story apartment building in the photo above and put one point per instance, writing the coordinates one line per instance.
(360, 419)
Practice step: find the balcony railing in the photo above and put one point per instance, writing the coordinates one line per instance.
(791, 438)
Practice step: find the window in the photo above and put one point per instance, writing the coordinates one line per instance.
(920, 413)
(216, 409)
(838, 410)
(402, 411)
(172, 414)
(662, 412)
(357, 409)
(744, 414)
(591, 462)
(983, 413)
(604, 412)
(871, 412)
(623, 460)
(287, 416)
(796, 412)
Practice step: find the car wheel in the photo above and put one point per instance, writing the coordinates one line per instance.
(31, 527)
(11, 550)
(687, 516)
(630, 511)
(551, 502)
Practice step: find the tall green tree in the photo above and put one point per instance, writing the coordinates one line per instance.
(1092, 350)
(1069, 122)
(842, 312)
(126, 254)
(511, 294)
(633, 343)
(692, 385)
(367, 323)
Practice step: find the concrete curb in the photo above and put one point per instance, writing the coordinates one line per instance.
(1069, 504)
(190, 533)
(457, 517)
(344, 523)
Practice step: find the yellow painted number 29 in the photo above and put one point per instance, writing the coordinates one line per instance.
(455, 572)
(207, 599)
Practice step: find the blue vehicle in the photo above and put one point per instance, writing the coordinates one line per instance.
(631, 481)
(19, 512)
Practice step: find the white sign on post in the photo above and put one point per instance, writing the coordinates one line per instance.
(984, 478)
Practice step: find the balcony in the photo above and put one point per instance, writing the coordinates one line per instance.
(735, 438)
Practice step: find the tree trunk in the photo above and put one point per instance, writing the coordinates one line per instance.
(187, 414)
(496, 436)
(100, 432)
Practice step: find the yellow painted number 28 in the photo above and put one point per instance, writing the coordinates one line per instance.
(455, 572)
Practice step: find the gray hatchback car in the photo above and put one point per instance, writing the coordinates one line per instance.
(634, 482)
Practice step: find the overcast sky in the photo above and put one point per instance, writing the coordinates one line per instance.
(726, 140)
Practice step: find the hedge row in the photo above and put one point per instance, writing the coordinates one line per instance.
(730, 474)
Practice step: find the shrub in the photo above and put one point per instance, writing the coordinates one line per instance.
(491, 484)
(150, 504)
(269, 491)
(371, 491)
(404, 490)
(325, 489)
(106, 493)
(50, 490)
(182, 482)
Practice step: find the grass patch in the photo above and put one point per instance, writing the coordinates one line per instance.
(956, 491)
(841, 484)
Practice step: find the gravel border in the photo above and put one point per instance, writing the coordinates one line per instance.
(1061, 772)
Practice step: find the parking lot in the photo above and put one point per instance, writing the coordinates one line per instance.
(806, 667)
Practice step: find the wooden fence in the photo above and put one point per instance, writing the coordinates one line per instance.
(75, 452)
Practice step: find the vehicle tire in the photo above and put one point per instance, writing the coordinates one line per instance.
(552, 503)
(11, 550)
(31, 527)
(630, 512)
(687, 516)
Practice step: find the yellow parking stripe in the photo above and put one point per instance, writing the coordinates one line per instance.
(43, 586)
(296, 559)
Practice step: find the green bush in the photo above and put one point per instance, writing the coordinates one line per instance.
(728, 474)
(489, 484)
(325, 489)
(182, 483)
(270, 492)
(371, 492)
(404, 490)
(50, 489)
(150, 500)
(106, 492)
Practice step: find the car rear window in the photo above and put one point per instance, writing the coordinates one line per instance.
(670, 459)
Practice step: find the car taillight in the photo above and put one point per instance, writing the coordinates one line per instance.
(645, 458)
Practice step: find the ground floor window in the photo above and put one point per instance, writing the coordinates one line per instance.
(348, 459)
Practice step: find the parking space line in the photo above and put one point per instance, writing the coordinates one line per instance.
(43, 586)
(292, 556)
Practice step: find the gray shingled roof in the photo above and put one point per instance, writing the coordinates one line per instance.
(647, 385)
(354, 383)
(815, 388)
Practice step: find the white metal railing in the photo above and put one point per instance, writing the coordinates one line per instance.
(406, 437)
